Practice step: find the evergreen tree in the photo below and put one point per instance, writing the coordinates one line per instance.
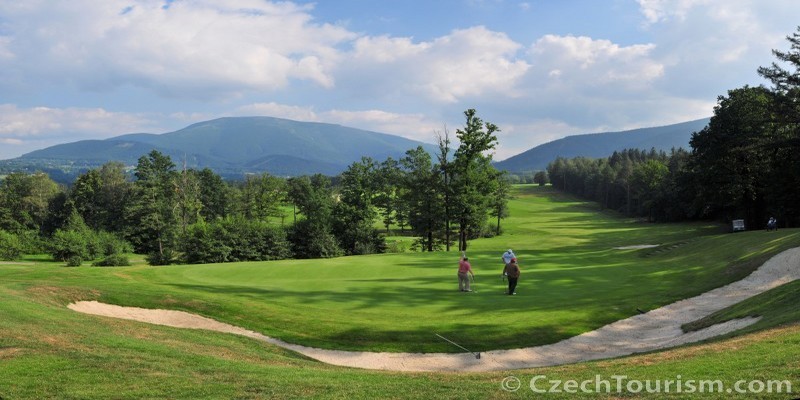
(150, 218)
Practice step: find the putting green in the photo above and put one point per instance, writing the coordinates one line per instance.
(573, 281)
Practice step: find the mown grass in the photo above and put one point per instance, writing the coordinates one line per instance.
(573, 281)
(776, 307)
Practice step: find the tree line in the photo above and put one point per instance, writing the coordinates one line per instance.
(177, 214)
(743, 165)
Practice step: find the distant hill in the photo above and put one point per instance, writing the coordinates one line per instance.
(597, 145)
(239, 145)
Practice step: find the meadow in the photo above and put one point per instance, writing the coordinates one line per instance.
(574, 280)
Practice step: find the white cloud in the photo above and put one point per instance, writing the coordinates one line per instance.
(50, 122)
(412, 126)
(254, 57)
(276, 110)
(465, 63)
(187, 48)
(711, 46)
(29, 129)
(580, 61)
(660, 10)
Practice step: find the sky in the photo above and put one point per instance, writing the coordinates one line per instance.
(538, 69)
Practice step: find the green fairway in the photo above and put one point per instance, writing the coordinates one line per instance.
(573, 281)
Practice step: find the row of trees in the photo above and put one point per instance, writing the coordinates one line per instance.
(193, 215)
(744, 164)
(634, 182)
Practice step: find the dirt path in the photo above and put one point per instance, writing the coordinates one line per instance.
(657, 329)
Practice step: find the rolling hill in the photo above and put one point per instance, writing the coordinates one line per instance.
(598, 145)
(234, 146)
(239, 145)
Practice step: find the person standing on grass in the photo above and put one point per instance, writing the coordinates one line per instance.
(464, 270)
(512, 272)
(507, 256)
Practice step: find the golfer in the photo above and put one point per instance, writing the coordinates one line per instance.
(464, 270)
(507, 256)
(512, 272)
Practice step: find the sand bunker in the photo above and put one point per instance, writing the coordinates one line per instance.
(636, 247)
(655, 330)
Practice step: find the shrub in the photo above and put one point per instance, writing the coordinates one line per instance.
(74, 261)
(397, 246)
(31, 242)
(109, 244)
(166, 257)
(113, 260)
(234, 239)
(205, 243)
(68, 244)
(309, 240)
(87, 244)
(10, 246)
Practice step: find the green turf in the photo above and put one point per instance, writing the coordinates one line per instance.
(573, 280)
(776, 307)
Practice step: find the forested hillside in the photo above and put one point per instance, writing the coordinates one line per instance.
(179, 214)
(662, 138)
(231, 147)
(743, 165)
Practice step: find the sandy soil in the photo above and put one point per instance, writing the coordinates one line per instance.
(657, 329)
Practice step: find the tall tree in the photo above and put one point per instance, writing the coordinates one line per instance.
(188, 202)
(387, 192)
(262, 197)
(473, 174)
(311, 235)
(354, 212)
(215, 195)
(422, 198)
(24, 201)
(114, 194)
(784, 187)
(150, 217)
(647, 180)
(446, 168)
(730, 154)
(85, 195)
(499, 200)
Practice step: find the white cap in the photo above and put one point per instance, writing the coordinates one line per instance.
(510, 251)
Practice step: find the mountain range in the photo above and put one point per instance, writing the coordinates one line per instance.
(234, 146)
(238, 145)
(597, 145)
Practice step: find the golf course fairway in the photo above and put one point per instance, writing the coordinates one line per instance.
(575, 279)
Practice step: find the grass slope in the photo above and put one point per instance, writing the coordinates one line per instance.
(573, 280)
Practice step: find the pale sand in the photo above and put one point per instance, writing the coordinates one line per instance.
(655, 330)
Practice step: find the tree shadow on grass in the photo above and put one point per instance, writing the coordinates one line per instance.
(475, 337)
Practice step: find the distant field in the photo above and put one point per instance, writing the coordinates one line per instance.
(573, 281)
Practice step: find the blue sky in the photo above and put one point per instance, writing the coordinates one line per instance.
(540, 70)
